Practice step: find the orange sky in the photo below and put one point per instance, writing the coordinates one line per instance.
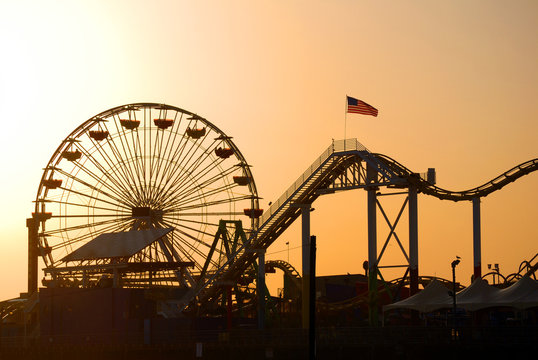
(455, 84)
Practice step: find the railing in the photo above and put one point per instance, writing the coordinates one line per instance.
(335, 147)
(338, 146)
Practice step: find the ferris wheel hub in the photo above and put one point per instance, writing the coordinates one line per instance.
(147, 212)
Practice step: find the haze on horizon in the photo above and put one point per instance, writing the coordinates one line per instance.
(455, 84)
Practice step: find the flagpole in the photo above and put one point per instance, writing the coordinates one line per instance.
(345, 124)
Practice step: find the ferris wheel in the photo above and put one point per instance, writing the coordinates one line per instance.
(146, 184)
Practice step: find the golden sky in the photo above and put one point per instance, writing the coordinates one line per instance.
(455, 83)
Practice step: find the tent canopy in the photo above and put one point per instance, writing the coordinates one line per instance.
(434, 296)
(479, 295)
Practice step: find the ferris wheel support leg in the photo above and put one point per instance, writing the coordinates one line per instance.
(305, 223)
(32, 226)
(477, 239)
(413, 240)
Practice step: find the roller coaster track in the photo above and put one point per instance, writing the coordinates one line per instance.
(342, 166)
(481, 191)
(288, 269)
(526, 268)
(388, 288)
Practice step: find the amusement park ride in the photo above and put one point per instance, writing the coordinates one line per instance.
(150, 195)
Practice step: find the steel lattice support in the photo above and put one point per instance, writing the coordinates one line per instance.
(413, 240)
(305, 236)
(372, 245)
(261, 289)
(477, 239)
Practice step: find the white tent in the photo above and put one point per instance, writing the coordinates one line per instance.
(479, 295)
(521, 295)
(433, 297)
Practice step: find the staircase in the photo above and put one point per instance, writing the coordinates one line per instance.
(283, 212)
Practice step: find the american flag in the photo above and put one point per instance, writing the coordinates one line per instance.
(356, 106)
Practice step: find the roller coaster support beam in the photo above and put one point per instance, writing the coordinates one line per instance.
(312, 300)
(32, 226)
(477, 239)
(305, 222)
(371, 177)
(413, 239)
(260, 289)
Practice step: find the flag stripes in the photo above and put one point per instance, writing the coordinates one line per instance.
(356, 106)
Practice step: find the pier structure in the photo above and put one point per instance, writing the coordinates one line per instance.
(150, 195)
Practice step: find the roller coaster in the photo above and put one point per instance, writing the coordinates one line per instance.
(151, 195)
(343, 166)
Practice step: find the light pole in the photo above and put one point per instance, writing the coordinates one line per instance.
(496, 268)
(454, 264)
(288, 243)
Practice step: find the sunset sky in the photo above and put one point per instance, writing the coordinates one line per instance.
(455, 83)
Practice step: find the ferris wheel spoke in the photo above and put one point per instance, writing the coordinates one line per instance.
(88, 235)
(121, 199)
(141, 163)
(77, 227)
(96, 199)
(138, 169)
(199, 198)
(179, 196)
(123, 172)
(65, 203)
(160, 155)
(205, 223)
(180, 224)
(153, 150)
(87, 216)
(121, 157)
(184, 254)
(182, 205)
(125, 150)
(190, 184)
(186, 234)
(146, 164)
(174, 152)
(176, 155)
(183, 173)
(110, 175)
(188, 161)
(163, 165)
(206, 213)
(175, 209)
(68, 245)
(188, 250)
(180, 166)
